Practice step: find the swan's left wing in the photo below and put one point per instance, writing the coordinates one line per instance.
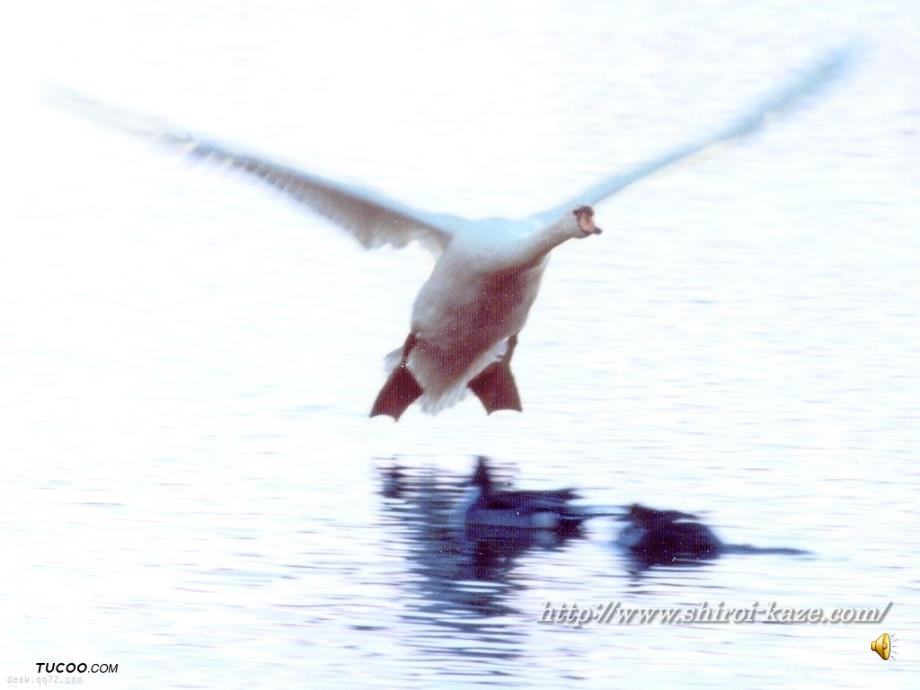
(807, 82)
(373, 219)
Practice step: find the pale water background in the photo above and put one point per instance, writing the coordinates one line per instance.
(190, 481)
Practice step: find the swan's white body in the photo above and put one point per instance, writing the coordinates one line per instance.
(478, 295)
(488, 271)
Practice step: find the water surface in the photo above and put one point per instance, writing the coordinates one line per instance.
(192, 485)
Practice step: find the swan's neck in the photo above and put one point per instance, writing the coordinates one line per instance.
(543, 241)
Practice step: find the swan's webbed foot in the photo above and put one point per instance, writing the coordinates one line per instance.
(495, 386)
(401, 389)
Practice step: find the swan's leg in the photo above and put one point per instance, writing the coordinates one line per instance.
(495, 386)
(401, 388)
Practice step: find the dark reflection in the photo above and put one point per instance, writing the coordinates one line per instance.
(461, 575)
(676, 539)
(486, 505)
(392, 481)
(491, 551)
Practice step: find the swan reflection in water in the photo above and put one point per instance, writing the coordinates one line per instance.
(485, 526)
(472, 550)
(461, 578)
(675, 539)
(470, 529)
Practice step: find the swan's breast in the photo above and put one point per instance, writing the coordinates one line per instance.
(462, 298)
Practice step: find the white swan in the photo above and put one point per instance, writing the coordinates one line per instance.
(467, 316)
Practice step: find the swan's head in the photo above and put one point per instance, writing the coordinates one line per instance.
(584, 216)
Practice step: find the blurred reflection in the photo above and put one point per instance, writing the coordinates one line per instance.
(463, 572)
(665, 537)
(676, 539)
(486, 504)
(392, 478)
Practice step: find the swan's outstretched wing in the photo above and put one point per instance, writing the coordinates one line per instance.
(807, 82)
(373, 219)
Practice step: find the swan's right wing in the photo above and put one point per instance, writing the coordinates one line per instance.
(373, 219)
(807, 82)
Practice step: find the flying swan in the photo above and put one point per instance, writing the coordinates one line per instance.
(467, 316)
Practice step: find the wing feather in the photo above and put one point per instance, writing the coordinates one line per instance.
(370, 217)
(805, 83)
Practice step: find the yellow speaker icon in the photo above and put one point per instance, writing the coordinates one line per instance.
(881, 645)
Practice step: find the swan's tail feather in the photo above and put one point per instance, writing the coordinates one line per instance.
(496, 389)
(392, 360)
(426, 374)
